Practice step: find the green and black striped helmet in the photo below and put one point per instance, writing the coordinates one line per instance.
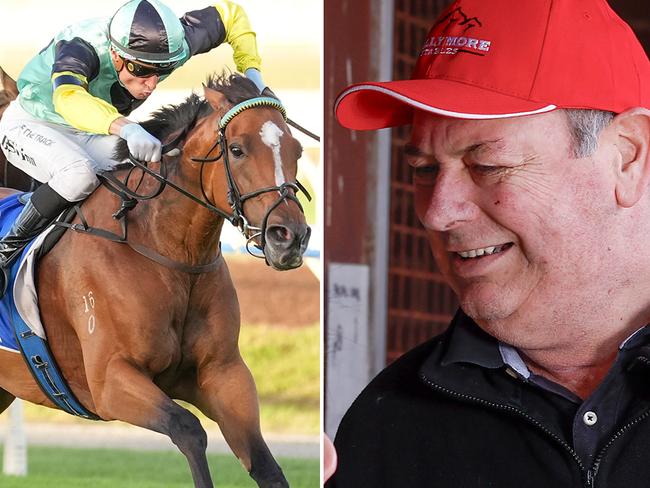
(147, 31)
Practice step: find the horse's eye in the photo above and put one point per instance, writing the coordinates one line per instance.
(236, 151)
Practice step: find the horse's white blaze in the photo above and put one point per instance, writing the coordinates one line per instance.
(271, 134)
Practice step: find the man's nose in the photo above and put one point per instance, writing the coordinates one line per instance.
(449, 202)
(151, 82)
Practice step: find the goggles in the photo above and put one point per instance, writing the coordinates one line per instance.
(143, 71)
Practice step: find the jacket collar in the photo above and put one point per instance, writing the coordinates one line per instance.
(470, 362)
(466, 363)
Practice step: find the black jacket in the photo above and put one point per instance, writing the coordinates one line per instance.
(431, 421)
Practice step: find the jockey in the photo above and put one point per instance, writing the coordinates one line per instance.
(76, 94)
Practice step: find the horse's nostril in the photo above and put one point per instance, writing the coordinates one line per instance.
(279, 234)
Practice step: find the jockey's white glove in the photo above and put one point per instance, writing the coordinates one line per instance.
(142, 145)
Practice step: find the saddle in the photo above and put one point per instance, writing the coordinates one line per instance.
(10, 207)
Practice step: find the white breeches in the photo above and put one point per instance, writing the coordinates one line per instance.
(65, 158)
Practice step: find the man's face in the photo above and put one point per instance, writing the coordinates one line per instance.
(138, 87)
(518, 227)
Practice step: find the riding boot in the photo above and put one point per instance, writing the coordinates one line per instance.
(28, 225)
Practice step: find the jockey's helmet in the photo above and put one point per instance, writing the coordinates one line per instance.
(148, 31)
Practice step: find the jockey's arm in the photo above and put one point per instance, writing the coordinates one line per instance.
(239, 35)
(90, 114)
(117, 125)
(76, 63)
(79, 108)
(225, 21)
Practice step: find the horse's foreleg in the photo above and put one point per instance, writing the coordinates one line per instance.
(226, 393)
(129, 395)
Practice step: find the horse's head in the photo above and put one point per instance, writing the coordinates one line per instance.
(256, 173)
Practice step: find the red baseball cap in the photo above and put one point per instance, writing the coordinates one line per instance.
(507, 58)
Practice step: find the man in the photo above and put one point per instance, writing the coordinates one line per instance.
(531, 159)
(76, 94)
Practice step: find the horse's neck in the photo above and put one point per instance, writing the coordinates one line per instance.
(186, 226)
(174, 225)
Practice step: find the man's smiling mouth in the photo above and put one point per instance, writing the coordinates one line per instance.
(484, 251)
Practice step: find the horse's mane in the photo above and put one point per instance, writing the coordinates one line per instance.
(172, 118)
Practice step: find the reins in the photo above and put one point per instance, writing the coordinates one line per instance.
(130, 198)
(303, 130)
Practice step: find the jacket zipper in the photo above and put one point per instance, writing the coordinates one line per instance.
(591, 474)
(507, 408)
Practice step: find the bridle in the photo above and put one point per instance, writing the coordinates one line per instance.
(236, 200)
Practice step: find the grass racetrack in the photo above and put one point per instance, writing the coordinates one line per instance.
(106, 468)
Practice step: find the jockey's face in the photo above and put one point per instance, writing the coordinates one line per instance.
(139, 87)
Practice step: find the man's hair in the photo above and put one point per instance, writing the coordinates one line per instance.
(585, 127)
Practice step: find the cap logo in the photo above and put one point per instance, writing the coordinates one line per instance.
(451, 35)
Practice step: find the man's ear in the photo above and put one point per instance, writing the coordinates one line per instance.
(631, 132)
(117, 61)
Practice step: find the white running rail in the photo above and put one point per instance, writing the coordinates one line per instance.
(15, 449)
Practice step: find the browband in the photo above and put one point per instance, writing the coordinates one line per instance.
(253, 102)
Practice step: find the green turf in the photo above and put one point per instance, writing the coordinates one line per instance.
(107, 468)
(286, 367)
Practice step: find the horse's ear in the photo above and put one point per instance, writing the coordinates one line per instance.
(216, 99)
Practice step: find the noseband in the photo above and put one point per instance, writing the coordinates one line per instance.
(287, 190)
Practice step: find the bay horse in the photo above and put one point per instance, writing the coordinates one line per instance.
(162, 333)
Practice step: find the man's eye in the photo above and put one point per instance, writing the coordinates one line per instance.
(425, 174)
(483, 170)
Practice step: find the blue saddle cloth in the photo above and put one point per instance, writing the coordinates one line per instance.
(10, 207)
(35, 349)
